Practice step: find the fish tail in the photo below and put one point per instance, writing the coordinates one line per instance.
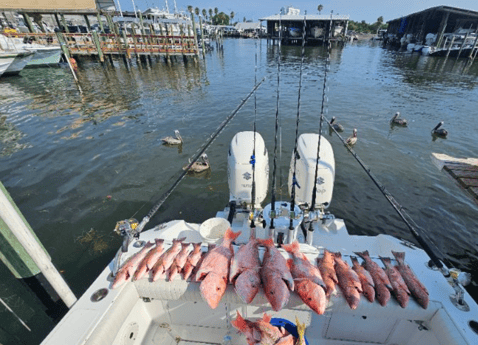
(185, 245)
(158, 241)
(266, 243)
(179, 240)
(239, 323)
(338, 255)
(363, 255)
(386, 261)
(230, 235)
(400, 256)
(354, 259)
(292, 248)
(266, 318)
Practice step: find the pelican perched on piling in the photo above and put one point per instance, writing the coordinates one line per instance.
(396, 121)
(337, 126)
(177, 140)
(440, 132)
(352, 139)
(198, 166)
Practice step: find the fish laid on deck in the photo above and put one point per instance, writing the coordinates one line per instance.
(276, 278)
(192, 260)
(380, 279)
(149, 260)
(349, 281)
(160, 268)
(214, 270)
(179, 261)
(366, 279)
(417, 289)
(245, 267)
(307, 279)
(127, 270)
(326, 267)
(400, 289)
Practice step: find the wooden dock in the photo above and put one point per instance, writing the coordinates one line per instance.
(463, 170)
(115, 44)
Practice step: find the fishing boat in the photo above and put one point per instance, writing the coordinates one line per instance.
(21, 60)
(44, 55)
(173, 312)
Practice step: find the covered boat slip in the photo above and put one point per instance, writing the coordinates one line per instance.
(174, 312)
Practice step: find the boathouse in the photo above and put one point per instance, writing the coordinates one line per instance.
(316, 27)
(440, 21)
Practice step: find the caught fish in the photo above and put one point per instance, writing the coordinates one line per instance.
(179, 261)
(192, 260)
(326, 268)
(259, 332)
(210, 247)
(349, 281)
(400, 289)
(149, 260)
(276, 277)
(160, 268)
(380, 278)
(129, 267)
(244, 271)
(246, 327)
(417, 289)
(214, 270)
(307, 279)
(368, 286)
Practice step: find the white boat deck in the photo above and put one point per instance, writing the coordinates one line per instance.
(167, 313)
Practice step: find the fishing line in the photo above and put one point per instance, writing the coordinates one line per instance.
(294, 179)
(274, 169)
(198, 154)
(324, 88)
(253, 157)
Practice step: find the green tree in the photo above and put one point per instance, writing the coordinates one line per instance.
(190, 9)
(221, 19)
(204, 13)
(320, 8)
(210, 13)
(216, 11)
(196, 10)
(232, 16)
(380, 20)
(244, 19)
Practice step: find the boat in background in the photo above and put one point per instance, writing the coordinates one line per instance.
(6, 59)
(21, 60)
(44, 55)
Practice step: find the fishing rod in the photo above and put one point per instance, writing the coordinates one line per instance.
(130, 228)
(253, 157)
(294, 178)
(274, 169)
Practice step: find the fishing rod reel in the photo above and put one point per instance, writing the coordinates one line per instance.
(128, 229)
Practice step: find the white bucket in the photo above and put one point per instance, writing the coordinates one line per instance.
(214, 229)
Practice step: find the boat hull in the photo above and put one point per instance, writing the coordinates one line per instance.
(5, 62)
(45, 57)
(19, 63)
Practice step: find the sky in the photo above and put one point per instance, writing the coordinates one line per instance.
(358, 10)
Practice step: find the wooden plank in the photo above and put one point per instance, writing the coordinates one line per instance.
(460, 167)
(464, 173)
(474, 192)
(468, 182)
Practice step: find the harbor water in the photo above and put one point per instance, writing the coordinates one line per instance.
(75, 164)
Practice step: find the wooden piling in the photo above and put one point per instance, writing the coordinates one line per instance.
(100, 23)
(441, 30)
(450, 46)
(97, 42)
(63, 23)
(473, 48)
(29, 23)
(202, 37)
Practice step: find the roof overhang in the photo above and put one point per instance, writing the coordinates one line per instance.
(449, 9)
(278, 17)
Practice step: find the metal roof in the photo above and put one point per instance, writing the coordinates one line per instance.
(441, 8)
(307, 17)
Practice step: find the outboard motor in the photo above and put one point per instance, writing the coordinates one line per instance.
(305, 171)
(239, 168)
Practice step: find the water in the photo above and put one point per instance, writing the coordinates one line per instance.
(75, 164)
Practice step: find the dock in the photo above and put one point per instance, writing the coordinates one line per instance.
(463, 170)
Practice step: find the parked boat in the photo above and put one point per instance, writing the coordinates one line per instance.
(21, 60)
(173, 312)
(295, 32)
(44, 55)
(6, 59)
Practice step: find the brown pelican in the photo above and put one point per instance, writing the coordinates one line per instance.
(440, 132)
(177, 140)
(198, 166)
(337, 126)
(399, 122)
(352, 139)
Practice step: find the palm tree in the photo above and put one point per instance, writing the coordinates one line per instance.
(210, 13)
(380, 20)
(204, 13)
(216, 11)
(190, 9)
(320, 8)
(196, 10)
(232, 16)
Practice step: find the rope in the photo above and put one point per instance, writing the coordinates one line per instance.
(327, 64)
(294, 179)
(274, 169)
(166, 194)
